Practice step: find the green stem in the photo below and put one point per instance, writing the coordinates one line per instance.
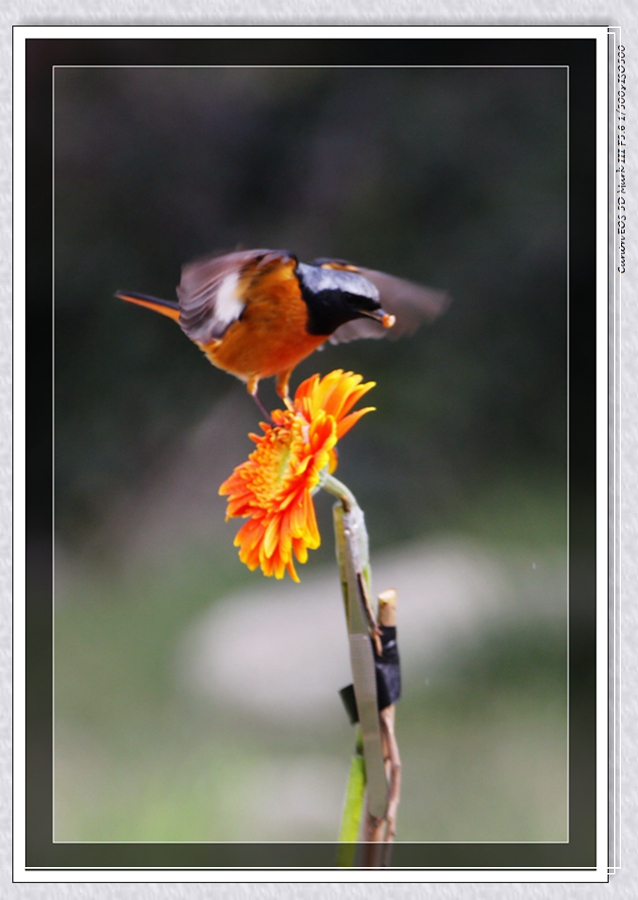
(352, 808)
(338, 489)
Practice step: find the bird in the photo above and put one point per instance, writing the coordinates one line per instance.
(259, 313)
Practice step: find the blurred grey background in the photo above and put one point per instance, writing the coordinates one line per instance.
(196, 701)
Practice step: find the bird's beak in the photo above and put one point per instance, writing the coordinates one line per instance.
(379, 315)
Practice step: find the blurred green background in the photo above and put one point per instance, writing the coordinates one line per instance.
(195, 701)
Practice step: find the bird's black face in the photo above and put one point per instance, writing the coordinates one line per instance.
(335, 296)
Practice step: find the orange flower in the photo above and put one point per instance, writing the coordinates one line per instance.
(273, 488)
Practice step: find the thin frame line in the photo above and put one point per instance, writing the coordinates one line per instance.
(375, 67)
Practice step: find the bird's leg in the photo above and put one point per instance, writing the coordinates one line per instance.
(262, 408)
(253, 383)
(282, 387)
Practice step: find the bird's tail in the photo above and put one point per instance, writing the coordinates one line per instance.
(165, 307)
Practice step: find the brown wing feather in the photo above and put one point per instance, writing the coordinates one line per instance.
(411, 303)
(206, 312)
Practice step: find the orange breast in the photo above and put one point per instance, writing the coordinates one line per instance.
(271, 336)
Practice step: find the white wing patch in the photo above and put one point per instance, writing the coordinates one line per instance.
(209, 297)
(228, 306)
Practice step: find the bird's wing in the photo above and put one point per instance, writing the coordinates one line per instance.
(410, 303)
(212, 291)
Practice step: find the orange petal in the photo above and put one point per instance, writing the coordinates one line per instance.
(346, 424)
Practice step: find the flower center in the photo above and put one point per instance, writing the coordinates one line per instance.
(284, 459)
